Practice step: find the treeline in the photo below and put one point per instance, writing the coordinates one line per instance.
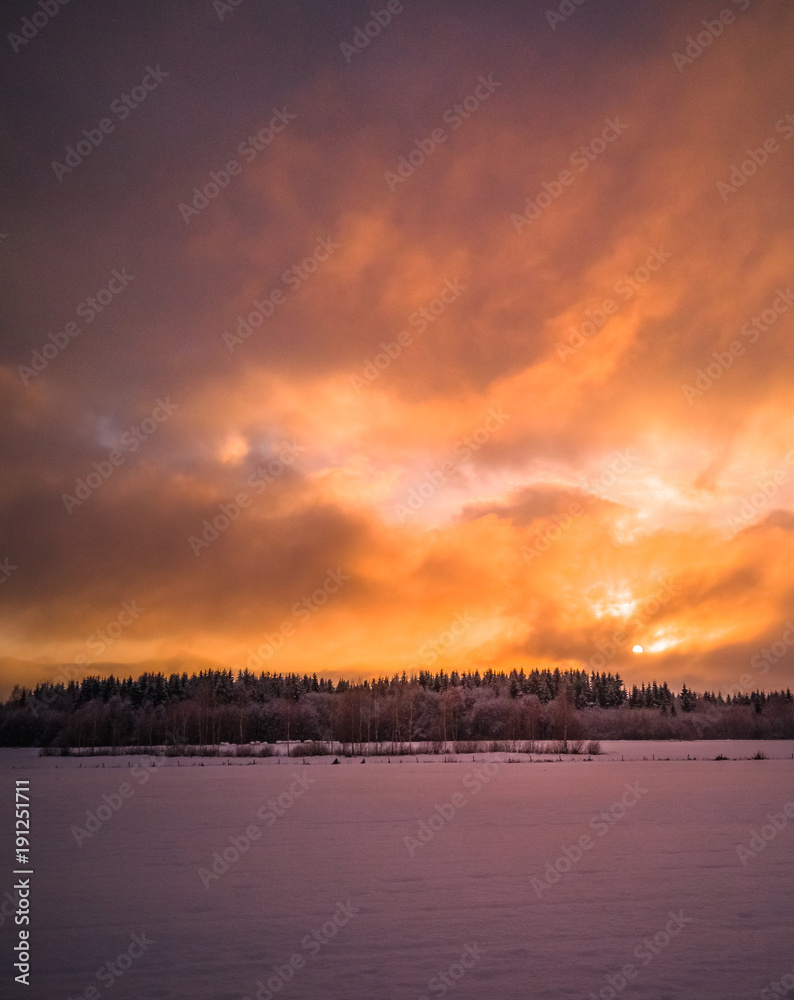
(214, 706)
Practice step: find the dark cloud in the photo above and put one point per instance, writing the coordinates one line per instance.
(601, 330)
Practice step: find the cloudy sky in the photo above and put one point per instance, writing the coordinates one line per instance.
(459, 337)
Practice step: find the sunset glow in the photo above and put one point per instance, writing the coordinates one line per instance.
(359, 404)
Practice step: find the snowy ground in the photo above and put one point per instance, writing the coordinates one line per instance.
(397, 879)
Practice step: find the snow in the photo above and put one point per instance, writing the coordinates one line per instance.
(416, 870)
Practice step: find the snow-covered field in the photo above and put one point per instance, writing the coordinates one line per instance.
(218, 879)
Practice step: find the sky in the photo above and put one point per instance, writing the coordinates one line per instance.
(359, 339)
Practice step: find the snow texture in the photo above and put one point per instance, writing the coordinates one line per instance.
(468, 878)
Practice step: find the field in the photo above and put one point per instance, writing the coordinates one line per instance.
(408, 878)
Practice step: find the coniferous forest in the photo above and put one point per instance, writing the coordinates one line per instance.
(213, 706)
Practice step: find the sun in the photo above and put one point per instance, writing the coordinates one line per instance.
(636, 649)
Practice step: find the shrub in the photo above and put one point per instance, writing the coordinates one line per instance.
(594, 747)
(309, 749)
(262, 750)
